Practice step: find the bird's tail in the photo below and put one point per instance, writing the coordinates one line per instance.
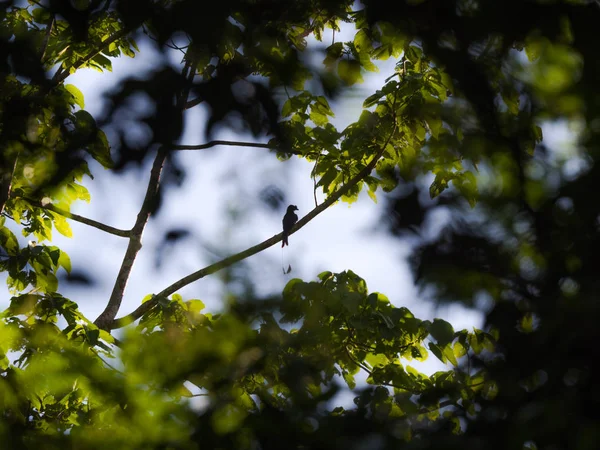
(284, 241)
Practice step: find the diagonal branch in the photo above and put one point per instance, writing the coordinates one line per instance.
(147, 306)
(106, 318)
(77, 217)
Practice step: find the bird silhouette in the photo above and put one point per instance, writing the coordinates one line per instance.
(288, 221)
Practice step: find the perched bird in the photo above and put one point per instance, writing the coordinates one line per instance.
(289, 220)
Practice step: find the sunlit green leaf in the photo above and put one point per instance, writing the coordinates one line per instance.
(77, 95)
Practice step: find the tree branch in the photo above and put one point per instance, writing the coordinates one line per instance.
(135, 243)
(107, 317)
(77, 218)
(147, 306)
(217, 142)
(193, 103)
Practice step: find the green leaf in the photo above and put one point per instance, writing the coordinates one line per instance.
(85, 122)
(349, 71)
(372, 194)
(437, 351)
(442, 332)
(195, 306)
(377, 360)
(534, 47)
(62, 226)
(8, 240)
(317, 117)
(333, 53)
(92, 333)
(362, 41)
(101, 63)
(41, 15)
(435, 125)
(77, 95)
(100, 150)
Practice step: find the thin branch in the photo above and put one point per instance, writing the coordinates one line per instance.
(77, 218)
(193, 103)
(107, 317)
(147, 306)
(61, 74)
(47, 39)
(6, 177)
(218, 142)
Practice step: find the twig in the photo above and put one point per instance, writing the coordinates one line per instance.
(147, 306)
(77, 218)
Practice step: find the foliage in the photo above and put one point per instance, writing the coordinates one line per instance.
(470, 91)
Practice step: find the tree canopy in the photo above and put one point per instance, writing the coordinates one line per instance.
(460, 118)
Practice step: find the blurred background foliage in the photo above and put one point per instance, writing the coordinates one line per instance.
(455, 127)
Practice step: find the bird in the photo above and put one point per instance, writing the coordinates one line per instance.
(288, 221)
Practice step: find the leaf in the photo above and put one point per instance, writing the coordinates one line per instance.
(362, 41)
(101, 63)
(92, 333)
(466, 183)
(182, 391)
(317, 117)
(333, 53)
(437, 351)
(373, 99)
(349, 379)
(442, 332)
(62, 226)
(9, 241)
(534, 47)
(377, 360)
(100, 149)
(77, 95)
(349, 71)
(435, 125)
(41, 15)
(195, 306)
(372, 194)
(85, 122)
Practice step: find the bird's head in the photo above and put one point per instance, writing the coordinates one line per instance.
(292, 208)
